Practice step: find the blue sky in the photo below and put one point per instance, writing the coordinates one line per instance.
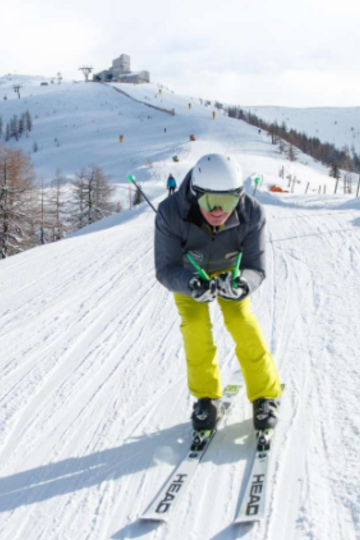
(259, 52)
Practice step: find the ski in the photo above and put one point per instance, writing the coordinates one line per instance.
(253, 505)
(170, 494)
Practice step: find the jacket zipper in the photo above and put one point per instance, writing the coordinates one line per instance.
(213, 234)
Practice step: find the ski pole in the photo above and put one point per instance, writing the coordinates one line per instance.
(131, 179)
(198, 268)
(236, 271)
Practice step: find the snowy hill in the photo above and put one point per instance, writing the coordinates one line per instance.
(78, 124)
(94, 402)
(336, 125)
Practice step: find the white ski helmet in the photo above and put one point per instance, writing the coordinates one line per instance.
(217, 172)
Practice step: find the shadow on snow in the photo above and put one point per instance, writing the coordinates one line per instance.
(74, 474)
(231, 445)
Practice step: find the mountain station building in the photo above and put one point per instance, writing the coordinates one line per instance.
(120, 72)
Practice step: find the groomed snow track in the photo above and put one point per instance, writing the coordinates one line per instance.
(94, 406)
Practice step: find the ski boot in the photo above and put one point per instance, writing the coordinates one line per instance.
(265, 414)
(265, 420)
(204, 417)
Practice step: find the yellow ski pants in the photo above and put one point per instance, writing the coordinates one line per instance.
(256, 361)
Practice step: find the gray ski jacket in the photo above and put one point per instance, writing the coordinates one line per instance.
(180, 224)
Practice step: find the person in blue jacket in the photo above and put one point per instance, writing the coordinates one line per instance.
(171, 184)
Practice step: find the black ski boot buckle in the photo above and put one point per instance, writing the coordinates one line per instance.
(200, 439)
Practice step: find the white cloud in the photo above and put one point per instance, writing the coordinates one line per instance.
(273, 51)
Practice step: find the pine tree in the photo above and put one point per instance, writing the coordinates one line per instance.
(291, 153)
(57, 207)
(138, 198)
(14, 128)
(335, 170)
(21, 125)
(31, 209)
(16, 183)
(42, 225)
(28, 121)
(281, 146)
(7, 133)
(101, 194)
(93, 196)
(273, 131)
(1, 127)
(79, 200)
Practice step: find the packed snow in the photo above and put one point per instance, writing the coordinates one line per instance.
(77, 125)
(336, 125)
(94, 402)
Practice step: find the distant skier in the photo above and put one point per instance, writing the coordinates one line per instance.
(212, 218)
(171, 184)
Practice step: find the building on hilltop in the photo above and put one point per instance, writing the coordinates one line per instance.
(120, 72)
(121, 65)
(136, 77)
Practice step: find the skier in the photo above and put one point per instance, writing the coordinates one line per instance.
(171, 184)
(212, 218)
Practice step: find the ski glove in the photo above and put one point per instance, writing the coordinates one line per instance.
(227, 289)
(203, 291)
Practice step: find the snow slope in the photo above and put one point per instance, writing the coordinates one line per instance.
(77, 125)
(95, 409)
(336, 125)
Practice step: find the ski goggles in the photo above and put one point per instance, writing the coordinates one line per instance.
(209, 201)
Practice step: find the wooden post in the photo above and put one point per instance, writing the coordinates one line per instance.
(307, 187)
(336, 185)
(130, 198)
(324, 188)
(358, 188)
(319, 189)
